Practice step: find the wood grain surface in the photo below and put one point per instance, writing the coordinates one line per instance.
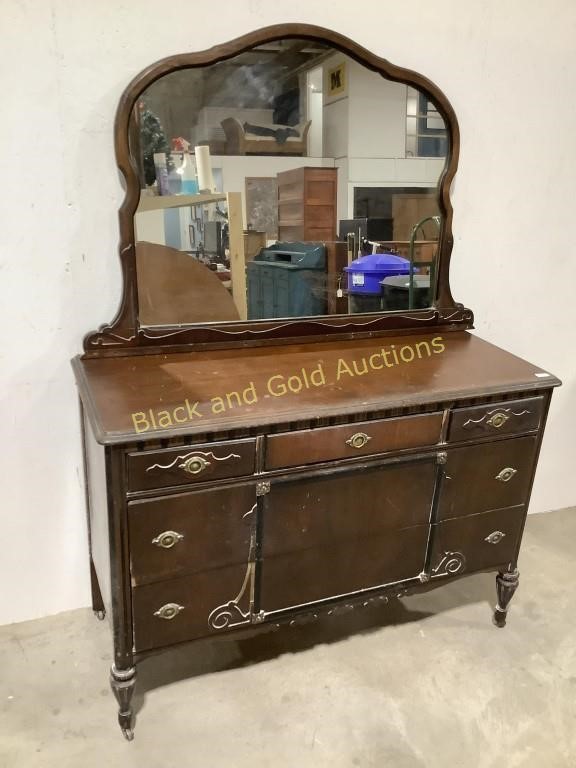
(335, 378)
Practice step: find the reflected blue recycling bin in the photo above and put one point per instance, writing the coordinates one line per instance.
(364, 277)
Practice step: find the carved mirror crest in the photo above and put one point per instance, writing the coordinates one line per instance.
(287, 184)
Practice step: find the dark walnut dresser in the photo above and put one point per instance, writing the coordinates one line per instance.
(242, 474)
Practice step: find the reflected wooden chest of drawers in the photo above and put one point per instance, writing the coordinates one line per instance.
(338, 495)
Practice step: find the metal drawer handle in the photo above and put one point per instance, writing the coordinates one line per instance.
(495, 537)
(194, 465)
(169, 611)
(506, 474)
(167, 539)
(498, 420)
(358, 440)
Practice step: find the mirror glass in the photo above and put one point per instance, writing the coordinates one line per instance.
(287, 181)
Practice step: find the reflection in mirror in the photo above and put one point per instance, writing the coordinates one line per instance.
(287, 181)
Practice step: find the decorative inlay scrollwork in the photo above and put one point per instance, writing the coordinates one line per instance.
(450, 563)
(230, 614)
(187, 457)
(104, 339)
(496, 418)
(250, 512)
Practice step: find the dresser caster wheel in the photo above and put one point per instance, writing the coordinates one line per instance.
(100, 615)
(128, 734)
(499, 618)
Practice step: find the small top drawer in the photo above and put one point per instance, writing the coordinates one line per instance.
(507, 418)
(308, 446)
(190, 464)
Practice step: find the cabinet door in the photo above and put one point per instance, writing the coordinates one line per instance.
(334, 534)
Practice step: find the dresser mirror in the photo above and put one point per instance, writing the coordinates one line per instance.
(317, 173)
(286, 176)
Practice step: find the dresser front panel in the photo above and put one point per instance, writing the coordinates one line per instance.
(190, 532)
(487, 476)
(340, 568)
(478, 542)
(359, 439)
(333, 534)
(148, 470)
(310, 512)
(195, 606)
(506, 418)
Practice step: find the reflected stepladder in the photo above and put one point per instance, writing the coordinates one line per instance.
(287, 181)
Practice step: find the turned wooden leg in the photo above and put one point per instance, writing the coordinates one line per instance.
(97, 602)
(122, 682)
(506, 585)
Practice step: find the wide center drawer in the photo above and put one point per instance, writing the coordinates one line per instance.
(190, 464)
(311, 446)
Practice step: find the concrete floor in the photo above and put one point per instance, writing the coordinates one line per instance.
(427, 681)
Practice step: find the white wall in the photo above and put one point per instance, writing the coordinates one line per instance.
(506, 65)
(377, 114)
(366, 127)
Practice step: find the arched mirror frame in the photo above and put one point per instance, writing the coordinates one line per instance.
(125, 334)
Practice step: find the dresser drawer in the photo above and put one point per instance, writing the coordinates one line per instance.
(190, 464)
(473, 543)
(190, 532)
(487, 476)
(360, 439)
(507, 418)
(194, 606)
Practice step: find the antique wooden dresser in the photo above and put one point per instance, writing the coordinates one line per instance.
(243, 473)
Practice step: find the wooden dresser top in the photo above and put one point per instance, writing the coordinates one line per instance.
(197, 392)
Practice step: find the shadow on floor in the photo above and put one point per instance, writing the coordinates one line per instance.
(255, 645)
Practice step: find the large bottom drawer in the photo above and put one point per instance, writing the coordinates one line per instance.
(477, 542)
(194, 606)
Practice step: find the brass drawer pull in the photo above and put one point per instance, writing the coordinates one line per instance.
(169, 611)
(194, 465)
(495, 537)
(498, 420)
(358, 440)
(506, 474)
(167, 539)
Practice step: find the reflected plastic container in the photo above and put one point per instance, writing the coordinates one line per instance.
(189, 187)
(365, 274)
